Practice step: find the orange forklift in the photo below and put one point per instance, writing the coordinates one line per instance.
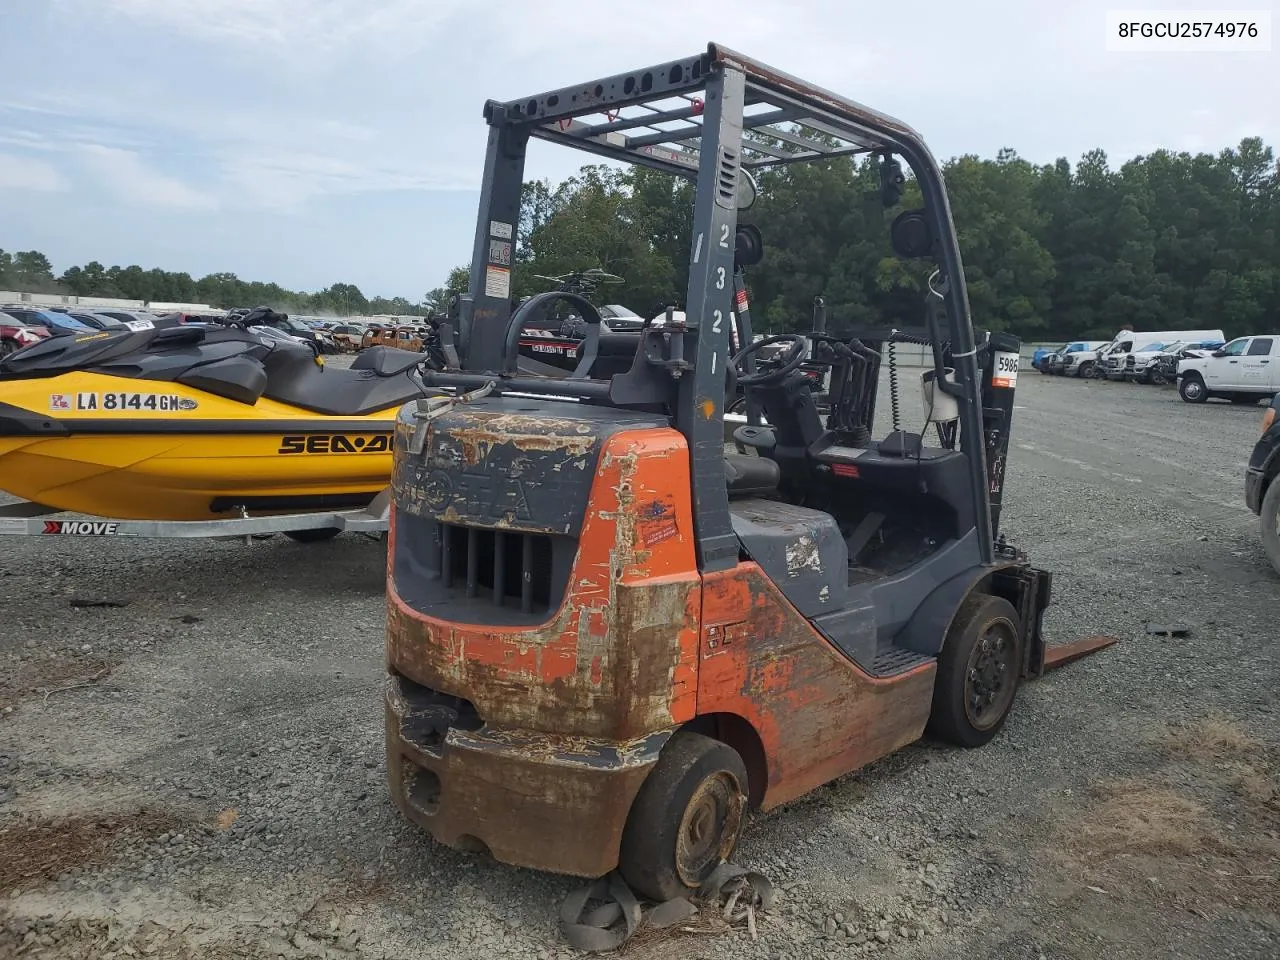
(608, 638)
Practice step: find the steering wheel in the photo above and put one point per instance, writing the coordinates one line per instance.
(536, 304)
(791, 360)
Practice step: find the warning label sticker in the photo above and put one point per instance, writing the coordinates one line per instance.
(497, 282)
(1004, 370)
(500, 252)
(499, 229)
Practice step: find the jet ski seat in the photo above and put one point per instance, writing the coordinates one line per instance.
(294, 377)
(386, 361)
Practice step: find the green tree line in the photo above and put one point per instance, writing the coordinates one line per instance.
(30, 271)
(1168, 240)
(1057, 251)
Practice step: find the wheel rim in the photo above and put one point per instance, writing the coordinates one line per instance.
(1191, 388)
(709, 827)
(991, 675)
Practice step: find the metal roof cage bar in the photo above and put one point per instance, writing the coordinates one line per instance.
(557, 115)
(805, 122)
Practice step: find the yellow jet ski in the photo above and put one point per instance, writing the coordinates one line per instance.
(197, 422)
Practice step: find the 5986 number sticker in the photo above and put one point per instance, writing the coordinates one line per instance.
(1004, 370)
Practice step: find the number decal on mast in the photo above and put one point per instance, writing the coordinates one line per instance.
(719, 278)
(715, 325)
(724, 235)
(1004, 373)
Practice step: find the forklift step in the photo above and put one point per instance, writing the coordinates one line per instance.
(892, 660)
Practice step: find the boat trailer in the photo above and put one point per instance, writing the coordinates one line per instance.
(25, 518)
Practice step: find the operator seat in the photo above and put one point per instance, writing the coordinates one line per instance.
(750, 476)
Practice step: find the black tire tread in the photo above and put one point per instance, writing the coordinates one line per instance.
(646, 858)
(947, 719)
(1193, 377)
(1270, 510)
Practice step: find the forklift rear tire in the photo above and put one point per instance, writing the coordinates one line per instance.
(686, 818)
(978, 672)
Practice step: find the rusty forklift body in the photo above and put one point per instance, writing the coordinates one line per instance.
(599, 622)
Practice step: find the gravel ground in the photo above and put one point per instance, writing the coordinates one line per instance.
(191, 754)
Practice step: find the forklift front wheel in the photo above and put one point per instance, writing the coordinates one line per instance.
(686, 818)
(978, 672)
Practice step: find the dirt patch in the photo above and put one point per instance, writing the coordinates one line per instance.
(1201, 833)
(33, 852)
(48, 675)
(92, 938)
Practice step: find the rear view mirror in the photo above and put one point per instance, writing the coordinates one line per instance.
(1219, 353)
(911, 235)
(748, 246)
(748, 190)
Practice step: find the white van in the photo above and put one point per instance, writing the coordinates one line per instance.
(1243, 371)
(1113, 360)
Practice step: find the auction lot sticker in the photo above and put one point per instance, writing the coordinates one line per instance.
(1005, 371)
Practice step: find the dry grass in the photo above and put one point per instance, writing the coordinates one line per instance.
(1241, 762)
(33, 852)
(1131, 817)
(1202, 834)
(48, 675)
(1210, 739)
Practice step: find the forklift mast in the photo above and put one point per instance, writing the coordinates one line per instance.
(718, 95)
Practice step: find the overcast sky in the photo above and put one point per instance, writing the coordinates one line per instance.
(314, 141)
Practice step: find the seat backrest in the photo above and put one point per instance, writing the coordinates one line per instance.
(931, 482)
(750, 476)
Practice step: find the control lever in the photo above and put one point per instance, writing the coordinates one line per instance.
(431, 408)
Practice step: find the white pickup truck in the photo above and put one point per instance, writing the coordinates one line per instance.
(1149, 365)
(1113, 360)
(1244, 371)
(1078, 359)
